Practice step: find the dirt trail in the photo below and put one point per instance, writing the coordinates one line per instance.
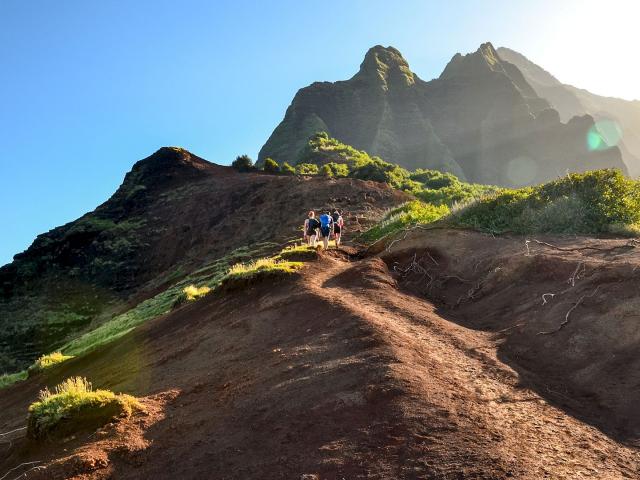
(347, 371)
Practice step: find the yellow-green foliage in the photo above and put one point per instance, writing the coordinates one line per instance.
(193, 293)
(407, 215)
(299, 253)
(592, 202)
(48, 361)
(244, 273)
(11, 378)
(74, 405)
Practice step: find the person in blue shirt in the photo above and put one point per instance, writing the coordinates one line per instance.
(326, 228)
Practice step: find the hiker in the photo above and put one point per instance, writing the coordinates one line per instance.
(311, 225)
(326, 228)
(338, 227)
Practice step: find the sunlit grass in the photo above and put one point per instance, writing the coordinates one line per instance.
(11, 378)
(74, 404)
(48, 361)
(407, 215)
(193, 293)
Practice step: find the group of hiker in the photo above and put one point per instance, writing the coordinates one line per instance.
(328, 225)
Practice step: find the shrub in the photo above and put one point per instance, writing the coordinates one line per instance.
(326, 171)
(407, 215)
(271, 166)
(243, 163)
(74, 406)
(593, 202)
(48, 361)
(287, 169)
(306, 169)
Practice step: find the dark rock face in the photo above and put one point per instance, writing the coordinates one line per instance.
(480, 120)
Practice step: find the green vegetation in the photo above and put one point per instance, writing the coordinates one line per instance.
(271, 166)
(73, 406)
(48, 361)
(405, 216)
(329, 157)
(193, 293)
(287, 169)
(307, 169)
(243, 274)
(600, 201)
(11, 378)
(298, 253)
(243, 163)
(208, 276)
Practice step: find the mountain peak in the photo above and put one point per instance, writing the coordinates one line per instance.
(386, 66)
(485, 59)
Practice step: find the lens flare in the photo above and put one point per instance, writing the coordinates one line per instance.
(604, 134)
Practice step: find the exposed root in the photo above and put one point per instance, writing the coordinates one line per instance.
(566, 317)
(631, 244)
(25, 464)
(545, 295)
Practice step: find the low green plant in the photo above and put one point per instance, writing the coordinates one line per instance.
(48, 361)
(271, 166)
(7, 379)
(193, 293)
(299, 253)
(599, 201)
(307, 169)
(405, 216)
(287, 169)
(73, 406)
(242, 274)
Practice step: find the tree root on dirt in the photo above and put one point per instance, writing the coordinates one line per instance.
(20, 466)
(631, 243)
(566, 317)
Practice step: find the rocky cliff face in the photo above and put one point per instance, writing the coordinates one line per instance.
(570, 101)
(480, 120)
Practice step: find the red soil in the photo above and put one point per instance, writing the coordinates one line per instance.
(360, 370)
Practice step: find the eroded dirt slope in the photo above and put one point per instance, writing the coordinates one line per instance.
(365, 369)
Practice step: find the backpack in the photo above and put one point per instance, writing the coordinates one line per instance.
(325, 220)
(336, 217)
(312, 224)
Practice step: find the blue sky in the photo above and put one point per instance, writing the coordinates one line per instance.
(88, 87)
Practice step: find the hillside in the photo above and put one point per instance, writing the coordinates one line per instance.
(423, 362)
(175, 213)
(571, 101)
(480, 120)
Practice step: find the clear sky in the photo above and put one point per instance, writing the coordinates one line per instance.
(87, 87)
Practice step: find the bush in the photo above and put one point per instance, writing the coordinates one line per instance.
(593, 202)
(405, 216)
(326, 171)
(287, 169)
(271, 166)
(74, 406)
(48, 361)
(243, 163)
(306, 169)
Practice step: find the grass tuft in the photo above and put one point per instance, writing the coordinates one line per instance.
(243, 274)
(48, 361)
(74, 406)
(405, 216)
(11, 378)
(193, 293)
